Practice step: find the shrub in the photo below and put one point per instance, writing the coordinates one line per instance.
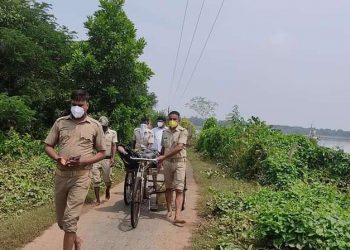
(14, 113)
(211, 122)
(16, 146)
(303, 217)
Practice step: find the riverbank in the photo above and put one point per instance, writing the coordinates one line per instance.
(208, 176)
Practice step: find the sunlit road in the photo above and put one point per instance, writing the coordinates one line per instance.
(108, 226)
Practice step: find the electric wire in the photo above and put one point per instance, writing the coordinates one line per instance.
(202, 51)
(177, 53)
(190, 47)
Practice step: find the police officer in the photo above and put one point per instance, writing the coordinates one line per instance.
(77, 137)
(143, 137)
(106, 164)
(173, 157)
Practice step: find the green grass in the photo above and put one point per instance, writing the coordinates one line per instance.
(207, 175)
(19, 230)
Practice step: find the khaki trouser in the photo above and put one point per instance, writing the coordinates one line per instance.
(71, 188)
(103, 165)
(174, 173)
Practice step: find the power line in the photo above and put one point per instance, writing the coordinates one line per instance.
(177, 53)
(202, 52)
(189, 48)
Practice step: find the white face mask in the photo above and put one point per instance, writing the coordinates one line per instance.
(143, 129)
(77, 111)
(160, 124)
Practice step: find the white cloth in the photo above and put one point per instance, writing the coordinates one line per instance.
(158, 133)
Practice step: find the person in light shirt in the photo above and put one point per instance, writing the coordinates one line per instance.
(158, 133)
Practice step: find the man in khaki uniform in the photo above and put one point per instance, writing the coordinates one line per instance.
(77, 136)
(173, 157)
(107, 163)
(143, 136)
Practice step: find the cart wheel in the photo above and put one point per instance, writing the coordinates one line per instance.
(136, 203)
(184, 196)
(128, 184)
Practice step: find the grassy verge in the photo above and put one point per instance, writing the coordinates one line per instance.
(19, 230)
(208, 175)
(16, 231)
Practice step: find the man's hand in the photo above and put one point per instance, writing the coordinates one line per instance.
(160, 159)
(61, 161)
(74, 162)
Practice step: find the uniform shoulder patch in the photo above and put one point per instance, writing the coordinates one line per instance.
(113, 131)
(63, 118)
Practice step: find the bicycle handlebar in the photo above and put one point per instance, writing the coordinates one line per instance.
(143, 159)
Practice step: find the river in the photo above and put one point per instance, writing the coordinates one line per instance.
(342, 143)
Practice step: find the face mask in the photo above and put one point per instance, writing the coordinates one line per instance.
(172, 124)
(160, 124)
(143, 129)
(77, 112)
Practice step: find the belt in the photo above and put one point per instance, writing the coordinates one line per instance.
(71, 173)
(108, 157)
(182, 159)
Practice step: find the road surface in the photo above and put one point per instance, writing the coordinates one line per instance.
(108, 226)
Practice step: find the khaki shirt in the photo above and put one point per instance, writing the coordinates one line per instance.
(111, 138)
(146, 139)
(74, 139)
(170, 139)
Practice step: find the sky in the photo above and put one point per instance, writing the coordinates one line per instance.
(287, 62)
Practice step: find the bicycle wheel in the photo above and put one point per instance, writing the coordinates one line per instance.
(128, 184)
(184, 196)
(136, 203)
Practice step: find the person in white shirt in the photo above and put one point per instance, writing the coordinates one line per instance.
(158, 133)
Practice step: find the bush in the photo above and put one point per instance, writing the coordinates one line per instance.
(211, 122)
(14, 113)
(303, 217)
(15, 146)
(254, 151)
(27, 183)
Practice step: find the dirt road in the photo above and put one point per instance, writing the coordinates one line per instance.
(108, 226)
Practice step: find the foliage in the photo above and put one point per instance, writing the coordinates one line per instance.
(14, 113)
(16, 146)
(202, 106)
(235, 116)
(303, 217)
(253, 150)
(108, 66)
(302, 206)
(32, 50)
(26, 184)
(211, 122)
(186, 123)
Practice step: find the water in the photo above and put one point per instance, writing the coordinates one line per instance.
(336, 143)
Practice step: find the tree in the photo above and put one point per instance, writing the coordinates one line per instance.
(211, 122)
(107, 66)
(235, 116)
(202, 106)
(33, 48)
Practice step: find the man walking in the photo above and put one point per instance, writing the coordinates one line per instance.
(158, 133)
(107, 163)
(77, 137)
(143, 136)
(173, 155)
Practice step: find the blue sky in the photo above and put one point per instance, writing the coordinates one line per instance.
(284, 61)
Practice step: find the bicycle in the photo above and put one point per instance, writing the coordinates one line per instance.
(140, 189)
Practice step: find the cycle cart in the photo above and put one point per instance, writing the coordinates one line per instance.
(137, 189)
